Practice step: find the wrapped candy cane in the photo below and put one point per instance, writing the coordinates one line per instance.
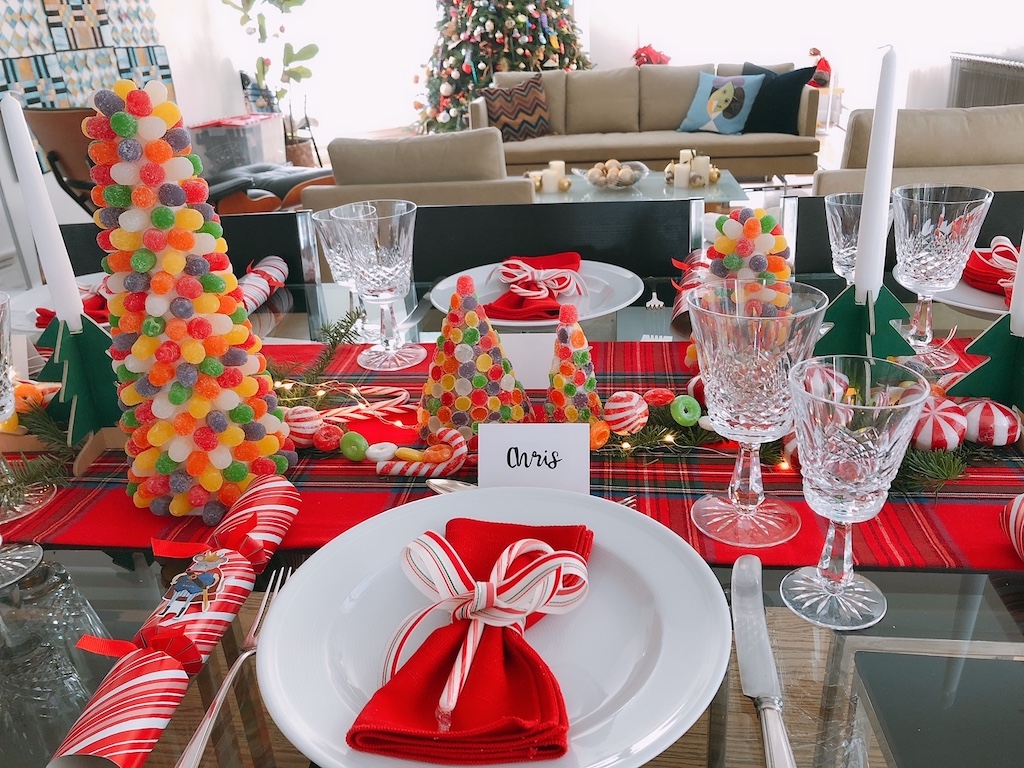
(259, 282)
(1011, 520)
(530, 283)
(259, 520)
(446, 435)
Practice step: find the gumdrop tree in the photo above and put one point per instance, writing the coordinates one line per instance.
(477, 38)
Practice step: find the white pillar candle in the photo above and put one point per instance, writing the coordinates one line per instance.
(549, 181)
(558, 166)
(701, 166)
(681, 176)
(53, 254)
(874, 217)
(1017, 300)
(685, 155)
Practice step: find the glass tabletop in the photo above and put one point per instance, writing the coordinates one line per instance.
(653, 187)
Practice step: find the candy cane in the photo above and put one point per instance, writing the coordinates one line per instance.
(429, 469)
(530, 283)
(394, 403)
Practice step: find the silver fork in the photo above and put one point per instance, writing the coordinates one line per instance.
(629, 501)
(193, 753)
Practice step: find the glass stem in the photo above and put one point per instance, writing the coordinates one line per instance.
(835, 568)
(390, 335)
(920, 334)
(746, 490)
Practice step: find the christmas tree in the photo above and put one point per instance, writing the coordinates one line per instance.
(477, 38)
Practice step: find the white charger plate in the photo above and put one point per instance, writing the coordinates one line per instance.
(966, 296)
(24, 304)
(610, 289)
(638, 661)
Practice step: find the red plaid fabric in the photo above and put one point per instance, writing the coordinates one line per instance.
(959, 528)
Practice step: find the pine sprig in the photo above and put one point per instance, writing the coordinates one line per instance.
(40, 424)
(302, 387)
(19, 475)
(928, 471)
(657, 439)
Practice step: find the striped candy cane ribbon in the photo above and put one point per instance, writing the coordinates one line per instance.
(555, 582)
(532, 283)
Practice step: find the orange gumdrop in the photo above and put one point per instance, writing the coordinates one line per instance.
(227, 305)
(228, 494)
(161, 373)
(158, 151)
(196, 463)
(599, 434)
(185, 423)
(247, 451)
(258, 405)
(180, 239)
(97, 196)
(176, 329)
(206, 387)
(162, 282)
(120, 261)
(263, 363)
(435, 454)
(752, 228)
(144, 197)
(776, 264)
(141, 435)
(215, 346)
(104, 152)
(131, 322)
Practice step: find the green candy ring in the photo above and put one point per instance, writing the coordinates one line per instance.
(685, 410)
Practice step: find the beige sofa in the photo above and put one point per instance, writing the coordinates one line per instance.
(465, 168)
(981, 146)
(632, 113)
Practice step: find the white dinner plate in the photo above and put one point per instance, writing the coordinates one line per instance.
(638, 661)
(24, 304)
(965, 296)
(610, 289)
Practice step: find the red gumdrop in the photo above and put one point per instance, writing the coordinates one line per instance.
(119, 354)
(262, 386)
(735, 214)
(754, 308)
(250, 340)
(144, 412)
(218, 261)
(744, 247)
(231, 377)
(465, 286)
(196, 190)
(568, 314)
(98, 127)
(264, 465)
(288, 444)
(103, 241)
(205, 438)
(188, 287)
(167, 352)
(154, 239)
(132, 449)
(198, 496)
(199, 327)
(138, 103)
(101, 174)
(327, 439)
(777, 229)
(135, 302)
(152, 174)
(158, 485)
(712, 254)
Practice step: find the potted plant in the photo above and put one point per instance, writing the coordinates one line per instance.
(277, 65)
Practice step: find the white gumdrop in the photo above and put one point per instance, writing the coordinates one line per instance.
(150, 128)
(250, 366)
(205, 243)
(732, 229)
(133, 220)
(157, 92)
(764, 243)
(179, 169)
(745, 273)
(157, 305)
(271, 423)
(136, 365)
(226, 400)
(179, 448)
(143, 472)
(220, 457)
(115, 283)
(221, 324)
(125, 173)
(163, 408)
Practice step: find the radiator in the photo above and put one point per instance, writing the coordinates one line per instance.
(979, 81)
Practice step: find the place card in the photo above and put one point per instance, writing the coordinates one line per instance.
(535, 456)
(531, 355)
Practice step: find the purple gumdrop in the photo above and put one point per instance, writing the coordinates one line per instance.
(563, 335)
(784, 253)
(146, 388)
(746, 213)
(769, 310)
(484, 327)
(469, 302)
(213, 512)
(292, 456)
(206, 209)
(580, 399)
(718, 268)
(758, 262)
(271, 400)
(123, 407)
(123, 341)
(161, 505)
(218, 421)
(179, 139)
(234, 356)
(129, 150)
(180, 481)
(493, 388)
(467, 369)
(136, 282)
(196, 266)
(182, 308)
(109, 217)
(108, 102)
(460, 419)
(493, 416)
(254, 431)
(188, 374)
(171, 195)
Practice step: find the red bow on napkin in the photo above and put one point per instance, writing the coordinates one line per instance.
(95, 307)
(509, 705)
(535, 283)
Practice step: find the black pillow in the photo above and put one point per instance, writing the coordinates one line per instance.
(778, 103)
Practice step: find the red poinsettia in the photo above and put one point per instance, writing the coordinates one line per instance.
(647, 55)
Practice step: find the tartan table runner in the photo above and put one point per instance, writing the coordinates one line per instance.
(957, 529)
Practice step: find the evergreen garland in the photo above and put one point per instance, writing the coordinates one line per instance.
(306, 388)
(52, 468)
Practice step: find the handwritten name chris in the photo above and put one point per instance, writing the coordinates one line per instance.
(522, 459)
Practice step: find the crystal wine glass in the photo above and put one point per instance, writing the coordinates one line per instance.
(854, 419)
(842, 215)
(936, 227)
(748, 335)
(329, 231)
(379, 249)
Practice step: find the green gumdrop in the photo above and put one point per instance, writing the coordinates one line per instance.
(162, 217)
(118, 195)
(768, 277)
(197, 164)
(123, 124)
(128, 419)
(506, 365)
(239, 316)
(235, 472)
(165, 465)
(470, 336)
(153, 326)
(440, 342)
(123, 374)
(179, 394)
(105, 266)
(241, 414)
(506, 412)
(131, 488)
(432, 405)
(211, 366)
(212, 228)
(733, 261)
(143, 260)
(584, 414)
(353, 446)
(279, 413)
(212, 283)
(685, 411)
(720, 222)
(281, 462)
(569, 388)
(479, 381)
(581, 357)
(768, 223)
(115, 320)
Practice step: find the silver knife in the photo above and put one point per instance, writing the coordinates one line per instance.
(758, 676)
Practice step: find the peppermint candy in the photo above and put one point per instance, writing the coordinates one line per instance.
(790, 450)
(303, 422)
(941, 426)
(626, 413)
(1011, 520)
(991, 423)
(826, 382)
(695, 389)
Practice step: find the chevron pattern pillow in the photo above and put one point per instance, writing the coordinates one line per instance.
(520, 112)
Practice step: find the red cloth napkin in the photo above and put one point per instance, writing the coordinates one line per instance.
(511, 708)
(511, 306)
(980, 274)
(95, 307)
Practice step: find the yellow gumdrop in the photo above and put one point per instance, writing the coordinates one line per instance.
(211, 479)
(189, 219)
(220, 246)
(268, 445)
(230, 281)
(146, 461)
(206, 303)
(247, 388)
(193, 351)
(231, 436)
(759, 213)
(172, 261)
(408, 454)
(140, 501)
(784, 273)
(168, 112)
(11, 425)
(145, 346)
(780, 244)
(237, 335)
(124, 240)
(160, 432)
(130, 396)
(725, 245)
(115, 304)
(96, 217)
(199, 407)
(180, 505)
(123, 87)
(781, 299)
(484, 363)
(243, 484)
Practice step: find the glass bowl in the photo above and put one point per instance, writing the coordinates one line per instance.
(640, 172)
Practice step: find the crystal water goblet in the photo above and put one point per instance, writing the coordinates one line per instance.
(379, 250)
(328, 230)
(854, 418)
(842, 215)
(748, 335)
(936, 227)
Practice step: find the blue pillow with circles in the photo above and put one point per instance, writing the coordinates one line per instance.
(722, 104)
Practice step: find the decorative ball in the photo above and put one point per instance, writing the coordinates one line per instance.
(941, 427)
(626, 413)
(328, 438)
(1011, 520)
(991, 423)
(564, 184)
(303, 423)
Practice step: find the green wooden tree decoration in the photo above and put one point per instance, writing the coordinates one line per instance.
(1001, 376)
(88, 394)
(863, 329)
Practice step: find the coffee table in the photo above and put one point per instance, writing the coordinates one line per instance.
(727, 190)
